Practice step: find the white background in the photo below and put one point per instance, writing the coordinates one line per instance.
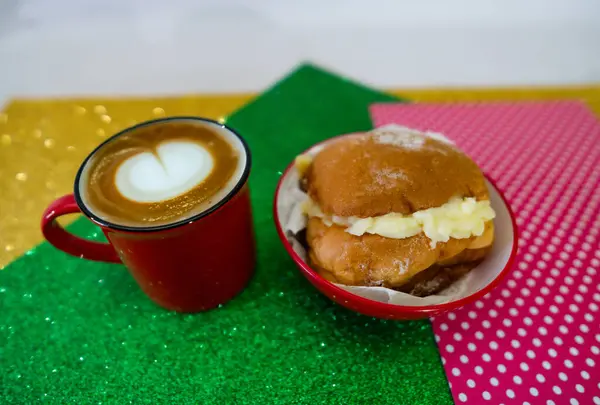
(82, 47)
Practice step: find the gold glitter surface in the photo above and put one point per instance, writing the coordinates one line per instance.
(42, 142)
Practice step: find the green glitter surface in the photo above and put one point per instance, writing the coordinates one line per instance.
(78, 332)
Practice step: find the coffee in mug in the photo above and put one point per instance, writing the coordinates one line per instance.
(162, 173)
(172, 198)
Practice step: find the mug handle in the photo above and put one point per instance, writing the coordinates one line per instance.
(69, 243)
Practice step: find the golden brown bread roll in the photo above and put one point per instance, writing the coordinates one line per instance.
(376, 174)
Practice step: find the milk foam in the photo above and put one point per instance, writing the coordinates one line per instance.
(175, 168)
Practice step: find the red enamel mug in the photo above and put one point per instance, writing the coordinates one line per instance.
(187, 266)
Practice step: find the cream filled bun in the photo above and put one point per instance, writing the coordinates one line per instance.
(400, 209)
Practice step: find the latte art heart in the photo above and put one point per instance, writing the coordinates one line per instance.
(175, 168)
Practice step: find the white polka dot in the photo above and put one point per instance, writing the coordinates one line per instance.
(588, 317)
(499, 302)
(557, 390)
(444, 327)
(534, 310)
(486, 357)
(472, 314)
(501, 368)
(486, 324)
(478, 370)
(521, 332)
(517, 379)
(537, 342)
(543, 331)
(500, 333)
(590, 362)
(471, 347)
(579, 339)
(559, 299)
(479, 335)
(550, 402)
(470, 383)
(519, 301)
(552, 352)
(595, 350)
(451, 316)
(455, 372)
(457, 337)
(486, 395)
(573, 401)
(579, 388)
(510, 393)
(449, 348)
(494, 381)
(545, 290)
(585, 375)
(493, 345)
(464, 325)
(548, 320)
(568, 363)
(524, 366)
(508, 356)
(568, 318)
(573, 351)
(546, 365)
(557, 340)
(584, 328)
(493, 313)
(533, 391)
(563, 376)
(527, 321)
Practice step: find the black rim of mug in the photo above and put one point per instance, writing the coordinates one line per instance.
(234, 191)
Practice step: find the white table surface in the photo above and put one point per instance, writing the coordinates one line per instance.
(85, 47)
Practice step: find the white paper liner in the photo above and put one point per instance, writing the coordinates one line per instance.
(292, 221)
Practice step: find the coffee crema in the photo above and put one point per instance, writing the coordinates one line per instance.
(162, 173)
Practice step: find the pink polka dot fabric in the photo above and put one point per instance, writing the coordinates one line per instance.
(536, 338)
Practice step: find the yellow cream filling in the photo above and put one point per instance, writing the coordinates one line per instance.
(302, 163)
(459, 218)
